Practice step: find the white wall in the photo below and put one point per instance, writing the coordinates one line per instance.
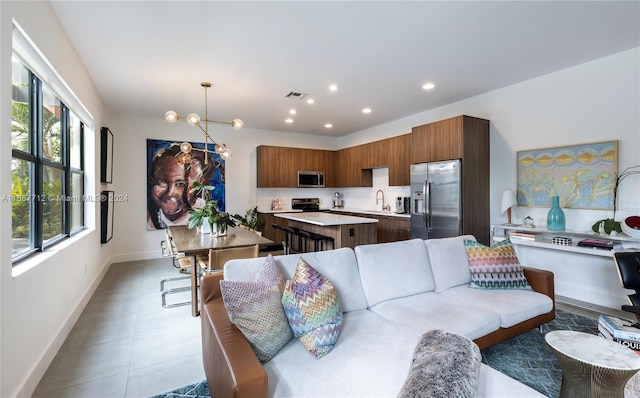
(595, 101)
(41, 303)
(131, 239)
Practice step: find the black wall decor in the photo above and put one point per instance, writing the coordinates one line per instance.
(106, 216)
(106, 155)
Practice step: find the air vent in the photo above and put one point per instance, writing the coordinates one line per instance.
(295, 95)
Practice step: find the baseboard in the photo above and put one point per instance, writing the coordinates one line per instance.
(33, 378)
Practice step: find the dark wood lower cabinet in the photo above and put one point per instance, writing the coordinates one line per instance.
(269, 232)
(403, 229)
(389, 228)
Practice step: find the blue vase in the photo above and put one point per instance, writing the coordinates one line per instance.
(555, 218)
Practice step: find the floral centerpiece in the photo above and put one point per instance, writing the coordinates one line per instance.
(206, 210)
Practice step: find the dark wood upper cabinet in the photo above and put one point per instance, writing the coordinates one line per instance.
(355, 164)
(465, 138)
(278, 166)
(398, 150)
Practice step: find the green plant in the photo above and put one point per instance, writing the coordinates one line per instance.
(610, 224)
(206, 207)
(251, 220)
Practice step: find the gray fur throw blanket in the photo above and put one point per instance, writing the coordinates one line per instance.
(444, 365)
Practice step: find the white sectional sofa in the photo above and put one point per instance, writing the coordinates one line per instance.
(391, 294)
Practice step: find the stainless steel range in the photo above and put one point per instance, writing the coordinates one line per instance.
(305, 204)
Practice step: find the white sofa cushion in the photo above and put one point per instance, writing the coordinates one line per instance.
(386, 351)
(512, 306)
(370, 359)
(339, 266)
(494, 384)
(421, 312)
(392, 270)
(449, 261)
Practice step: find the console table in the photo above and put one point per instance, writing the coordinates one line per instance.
(583, 274)
(501, 231)
(592, 366)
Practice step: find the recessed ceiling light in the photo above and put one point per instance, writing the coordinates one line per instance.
(289, 120)
(292, 111)
(333, 87)
(366, 110)
(428, 86)
(310, 101)
(328, 125)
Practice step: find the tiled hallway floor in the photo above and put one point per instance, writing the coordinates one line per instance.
(125, 344)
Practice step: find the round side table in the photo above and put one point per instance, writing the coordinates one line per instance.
(592, 366)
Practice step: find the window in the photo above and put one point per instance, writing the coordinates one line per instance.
(47, 176)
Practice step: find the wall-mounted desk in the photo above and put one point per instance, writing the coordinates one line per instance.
(580, 273)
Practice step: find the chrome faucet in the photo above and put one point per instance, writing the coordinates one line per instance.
(384, 207)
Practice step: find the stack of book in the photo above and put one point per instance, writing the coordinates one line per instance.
(619, 331)
(524, 235)
(598, 244)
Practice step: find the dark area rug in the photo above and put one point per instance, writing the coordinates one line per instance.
(526, 358)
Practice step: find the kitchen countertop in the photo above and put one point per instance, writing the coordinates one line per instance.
(372, 212)
(267, 211)
(325, 219)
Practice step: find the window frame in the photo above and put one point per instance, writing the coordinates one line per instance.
(38, 162)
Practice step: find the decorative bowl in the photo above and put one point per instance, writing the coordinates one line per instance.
(631, 226)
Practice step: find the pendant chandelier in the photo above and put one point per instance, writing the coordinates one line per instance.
(195, 120)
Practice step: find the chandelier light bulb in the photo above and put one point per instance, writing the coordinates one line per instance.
(193, 119)
(219, 148)
(237, 124)
(185, 147)
(226, 153)
(171, 117)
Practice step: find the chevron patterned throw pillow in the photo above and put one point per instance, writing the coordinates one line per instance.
(312, 307)
(495, 267)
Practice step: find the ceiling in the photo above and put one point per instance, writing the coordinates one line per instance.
(149, 57)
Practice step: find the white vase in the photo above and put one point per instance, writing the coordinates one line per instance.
(206, 227)
(216, 231)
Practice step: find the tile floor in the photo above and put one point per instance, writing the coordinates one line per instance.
(126, 345)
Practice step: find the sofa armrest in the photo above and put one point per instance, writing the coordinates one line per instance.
(541, 281)
(231, 367)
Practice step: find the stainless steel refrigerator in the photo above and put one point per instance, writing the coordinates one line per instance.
(436, 204)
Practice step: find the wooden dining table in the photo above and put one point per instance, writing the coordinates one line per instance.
(193, 243)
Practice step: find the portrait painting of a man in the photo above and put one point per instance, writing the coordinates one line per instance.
(171, 173)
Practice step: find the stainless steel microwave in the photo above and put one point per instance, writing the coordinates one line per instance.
(310, 179)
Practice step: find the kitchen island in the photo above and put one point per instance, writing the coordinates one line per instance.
(346, 231)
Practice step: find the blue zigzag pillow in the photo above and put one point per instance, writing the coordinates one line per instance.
(312, 308)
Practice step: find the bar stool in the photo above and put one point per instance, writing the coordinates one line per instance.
(327, 239)
(305, 236)
(319, 240)
(286, 243)
(301, 238)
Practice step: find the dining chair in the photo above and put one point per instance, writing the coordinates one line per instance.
(184, 266)
(219, 257)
